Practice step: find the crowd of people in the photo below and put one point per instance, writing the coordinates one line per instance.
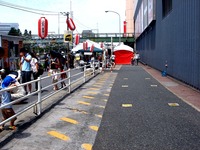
(29, 67)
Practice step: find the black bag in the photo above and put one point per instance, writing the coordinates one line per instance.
(40, 69)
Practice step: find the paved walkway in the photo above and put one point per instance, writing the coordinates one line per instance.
(141, 114)
(127, 109)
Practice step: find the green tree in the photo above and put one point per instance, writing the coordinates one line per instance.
(14, 32)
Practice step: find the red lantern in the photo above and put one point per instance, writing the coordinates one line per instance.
(70, 24)
(42, 27)
(92, 48)
(83, 45)
(86, 45)
(77, 38)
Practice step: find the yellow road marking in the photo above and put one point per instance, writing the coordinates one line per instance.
(105, 100)
(127, 105)
(99, 83)
(100, 116)
(95, 128)
(70, 120)
(125, 78)
(84, 103)
(86, 146)
(97, 86)
(84, 112)
(88, 97)
(106, 94)
(173, 104)
(124, 86)
(93, 88)
(58, 135)
(90, 92)
(101, 106)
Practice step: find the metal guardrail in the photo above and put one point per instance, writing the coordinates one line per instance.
(87, 74)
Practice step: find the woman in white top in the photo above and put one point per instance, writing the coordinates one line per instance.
(34, 67)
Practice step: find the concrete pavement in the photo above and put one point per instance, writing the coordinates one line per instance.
(71, 124)
(140, 113)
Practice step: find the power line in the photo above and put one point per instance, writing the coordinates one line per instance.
(27, 9)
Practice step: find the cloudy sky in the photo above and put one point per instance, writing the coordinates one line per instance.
(88, 14)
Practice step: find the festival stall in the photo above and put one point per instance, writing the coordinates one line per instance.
(123, 54)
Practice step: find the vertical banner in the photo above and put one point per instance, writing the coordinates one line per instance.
(150, 11)
(145, 14)
(125, 28)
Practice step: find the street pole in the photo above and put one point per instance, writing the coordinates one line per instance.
(119, 23)
(68, 49)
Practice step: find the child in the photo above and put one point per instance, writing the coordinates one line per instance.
(63, 76)
(7, 111)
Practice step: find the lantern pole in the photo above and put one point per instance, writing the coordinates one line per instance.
(68, 49)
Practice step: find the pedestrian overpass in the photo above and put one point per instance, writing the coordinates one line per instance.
(96, 37)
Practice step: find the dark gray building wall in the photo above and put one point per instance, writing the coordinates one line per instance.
(175, 39)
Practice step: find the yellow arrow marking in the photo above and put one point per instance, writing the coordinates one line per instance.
(58, 135)
(95, 128)
(84, 103)
(70, 120)
(86, 146)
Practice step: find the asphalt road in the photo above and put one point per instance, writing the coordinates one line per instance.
(125, 109)
(150, 124)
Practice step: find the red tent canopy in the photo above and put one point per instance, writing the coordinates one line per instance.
(123, 54)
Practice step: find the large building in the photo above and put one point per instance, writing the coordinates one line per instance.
(168, 33)
(5, 27)
(130, 9)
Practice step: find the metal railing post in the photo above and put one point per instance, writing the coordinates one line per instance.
(84, 73)
(69, 80)
(93, 69)
(39, 105)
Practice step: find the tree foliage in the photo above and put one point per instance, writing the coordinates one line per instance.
(14, 32)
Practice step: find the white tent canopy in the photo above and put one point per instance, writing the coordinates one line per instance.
(123, 47)
(123, 54)
(90, 43)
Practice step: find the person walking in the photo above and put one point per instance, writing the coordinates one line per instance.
(54, 66)
(34, 68)
(25, 68)
(137, 58)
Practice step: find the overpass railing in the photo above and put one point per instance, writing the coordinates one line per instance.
(84, 35)
(73, 82)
